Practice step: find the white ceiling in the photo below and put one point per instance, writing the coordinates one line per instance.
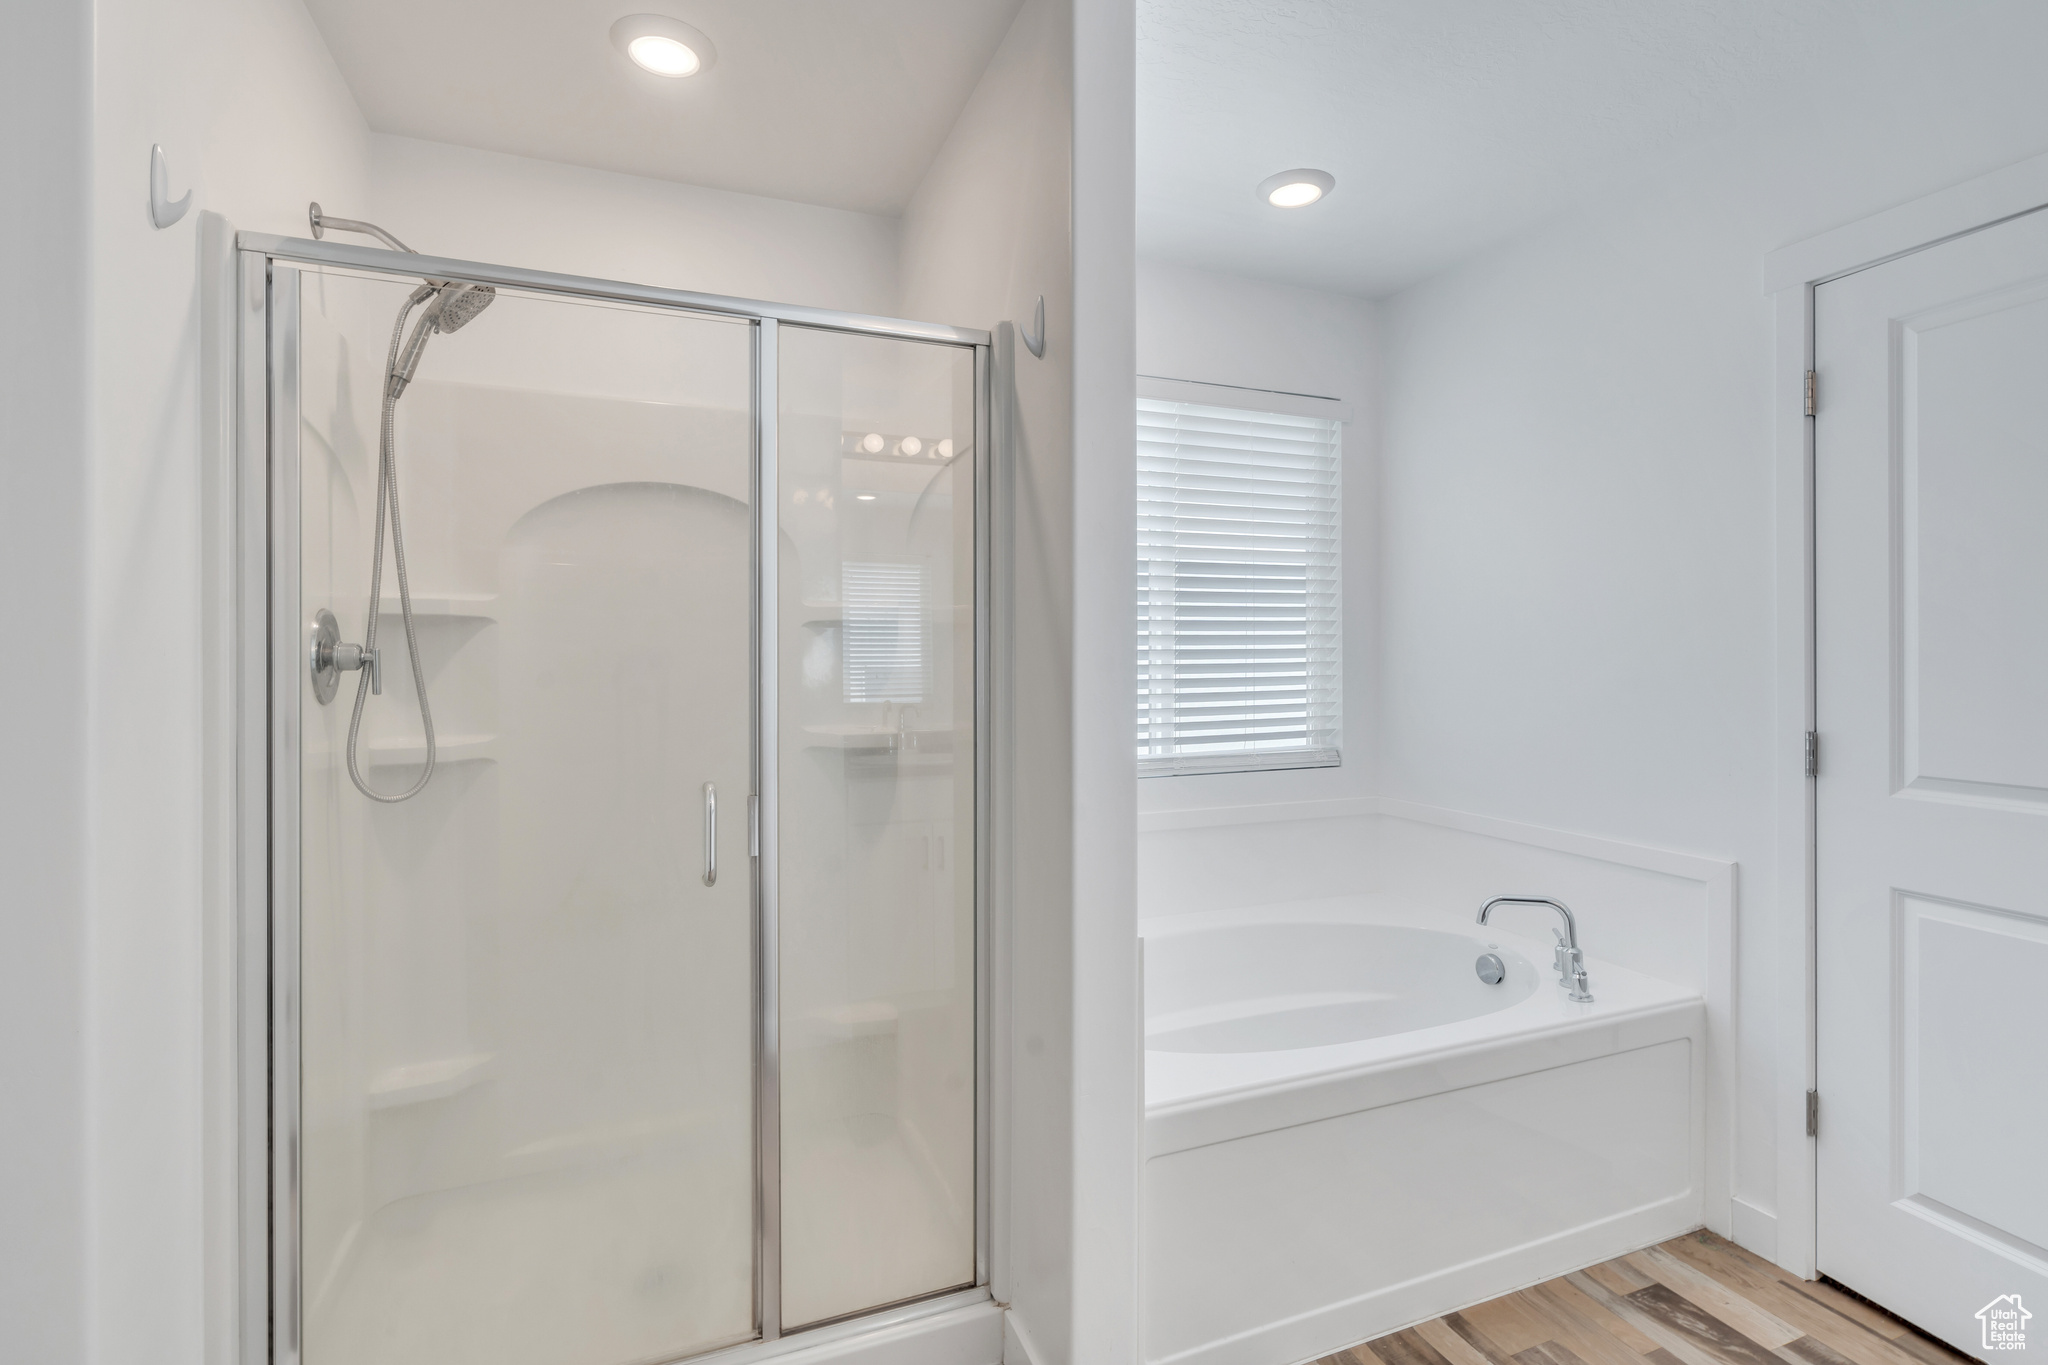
(1449, 124)
(836, 102)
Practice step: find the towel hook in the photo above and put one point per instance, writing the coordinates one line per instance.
(1034, 336)
(163, 211)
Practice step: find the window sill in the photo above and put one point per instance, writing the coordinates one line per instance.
(1203, 765)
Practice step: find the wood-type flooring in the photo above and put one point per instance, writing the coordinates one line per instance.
(1694, 1300)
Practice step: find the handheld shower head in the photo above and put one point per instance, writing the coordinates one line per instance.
(459, 303)
(452, 307)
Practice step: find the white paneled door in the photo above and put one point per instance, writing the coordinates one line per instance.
(1931, 488)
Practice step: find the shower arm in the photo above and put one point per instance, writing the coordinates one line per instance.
(322, 224)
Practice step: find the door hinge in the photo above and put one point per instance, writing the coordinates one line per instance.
(1813, 753)
(1813, 1113)
(1812, 392)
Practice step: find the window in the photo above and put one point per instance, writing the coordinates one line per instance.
(1239, 659)
(884, 631)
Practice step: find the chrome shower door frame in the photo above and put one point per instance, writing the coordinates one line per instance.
(768, 830)
(270, 655)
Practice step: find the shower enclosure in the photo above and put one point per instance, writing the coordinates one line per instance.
(649, 1026)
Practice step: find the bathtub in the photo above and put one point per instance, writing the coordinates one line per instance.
(1347, 1131)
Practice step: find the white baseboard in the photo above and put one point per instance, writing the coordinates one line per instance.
(1752, 1229)
(1017, 1349)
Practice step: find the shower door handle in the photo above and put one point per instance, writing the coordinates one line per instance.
(710, 835)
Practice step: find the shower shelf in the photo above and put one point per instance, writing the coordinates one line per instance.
(422, 1081)
(398, 753)
(453, 606)
(873, 737)
(829, 616)
(870, 745)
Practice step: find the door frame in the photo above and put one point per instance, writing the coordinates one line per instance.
(1790, 276)
(263, 661)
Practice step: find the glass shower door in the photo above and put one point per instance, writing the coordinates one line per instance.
(526, 1009)
(875, 717)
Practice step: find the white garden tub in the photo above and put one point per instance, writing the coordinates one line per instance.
(1348, 1131)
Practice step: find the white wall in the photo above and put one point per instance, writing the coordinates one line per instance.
(512, 210)
(1577, 530)
(1108, 1027)
(1017, 204)
(255, 120)
(1224, 329)
(45, 273)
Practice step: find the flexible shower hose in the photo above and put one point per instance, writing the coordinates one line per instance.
(387, 494)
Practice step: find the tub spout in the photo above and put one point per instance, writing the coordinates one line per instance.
(1571, 963)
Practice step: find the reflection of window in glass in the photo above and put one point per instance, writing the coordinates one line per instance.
(884, 631)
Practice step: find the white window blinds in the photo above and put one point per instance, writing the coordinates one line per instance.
(883, 651)
(1238, 646)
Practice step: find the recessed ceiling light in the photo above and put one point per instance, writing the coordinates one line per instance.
(663, 56)
(864, 497)
(665, 46)
(1296, 189)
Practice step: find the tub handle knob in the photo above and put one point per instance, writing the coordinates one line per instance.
(1571, 969)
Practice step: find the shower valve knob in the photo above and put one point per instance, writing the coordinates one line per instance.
(329, 658)
(349, 658)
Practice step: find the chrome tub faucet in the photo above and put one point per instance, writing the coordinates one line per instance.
(1570, 962)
